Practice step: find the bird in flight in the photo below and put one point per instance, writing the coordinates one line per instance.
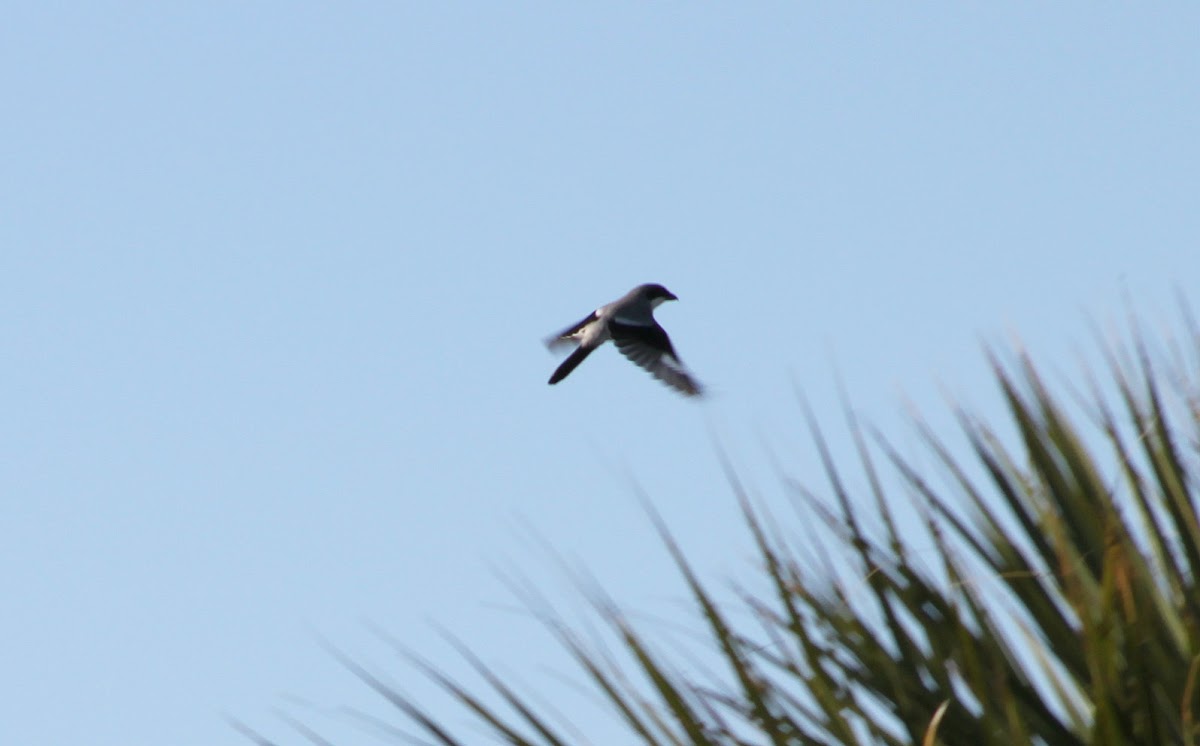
(629, 323)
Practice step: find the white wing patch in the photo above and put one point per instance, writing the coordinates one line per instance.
(673, 363)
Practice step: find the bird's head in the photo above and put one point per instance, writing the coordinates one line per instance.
(656, 294)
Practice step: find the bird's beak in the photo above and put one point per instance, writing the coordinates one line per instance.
(672, 296)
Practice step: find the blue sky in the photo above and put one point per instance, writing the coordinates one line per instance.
(274, 279)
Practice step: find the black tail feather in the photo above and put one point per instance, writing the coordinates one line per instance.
(573, 360)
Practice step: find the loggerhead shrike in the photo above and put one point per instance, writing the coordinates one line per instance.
(629, 323)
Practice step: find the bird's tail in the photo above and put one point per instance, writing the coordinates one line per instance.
(573, 360)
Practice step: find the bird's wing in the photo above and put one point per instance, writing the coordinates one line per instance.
(566, 336)
(648, 346)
